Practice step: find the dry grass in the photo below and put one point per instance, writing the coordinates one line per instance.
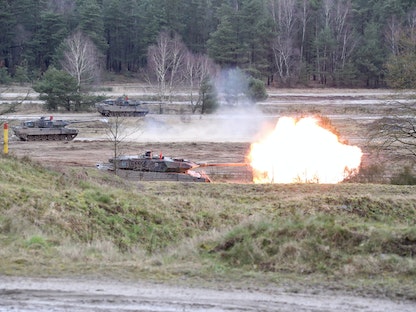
(87, 222)
(71, 220)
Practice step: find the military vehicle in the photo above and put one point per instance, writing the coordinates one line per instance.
(121, 107)
(149, 167)
(44, 130)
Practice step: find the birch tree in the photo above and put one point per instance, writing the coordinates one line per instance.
(335, 42)
(197, 70)
(401, 65)
(177, 52)
(80, 59)
(165, 59)
(303, 17)
(285, 55)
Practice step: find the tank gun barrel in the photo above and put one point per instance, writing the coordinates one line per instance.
(70, 122)
(222, 164)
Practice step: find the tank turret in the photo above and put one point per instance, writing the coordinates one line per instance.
(121, 107)
(43, 129)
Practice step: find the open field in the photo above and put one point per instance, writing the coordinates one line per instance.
(73, 237)
(198, 138)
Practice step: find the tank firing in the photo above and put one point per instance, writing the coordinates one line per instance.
(152, 167)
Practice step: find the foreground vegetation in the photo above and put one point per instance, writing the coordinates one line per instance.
(78, 221)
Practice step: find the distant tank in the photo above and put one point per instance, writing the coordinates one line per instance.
(44, 130)
(155, 167)
(121, 107)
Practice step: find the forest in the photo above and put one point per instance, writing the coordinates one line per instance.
(284, 43)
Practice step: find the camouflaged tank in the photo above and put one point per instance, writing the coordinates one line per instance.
(149, 167)
(44, 130)
(121, 107)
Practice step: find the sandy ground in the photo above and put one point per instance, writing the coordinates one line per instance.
(76, 295)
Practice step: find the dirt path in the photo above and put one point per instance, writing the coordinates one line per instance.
(76, 295)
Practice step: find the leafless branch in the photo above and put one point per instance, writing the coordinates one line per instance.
(81, 58)
(165, 61)
(396, 132)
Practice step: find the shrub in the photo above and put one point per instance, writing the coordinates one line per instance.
(405, 177)
(256, 90)
(4, 76)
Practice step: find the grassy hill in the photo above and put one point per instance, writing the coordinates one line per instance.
(84, 222)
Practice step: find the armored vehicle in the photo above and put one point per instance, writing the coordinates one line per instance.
(155, 167)
(44, 130)
(149, 167)
(121, 107)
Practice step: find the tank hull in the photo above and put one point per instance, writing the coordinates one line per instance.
(119, 108)
(160, 176)
(148, 167)
(44, 130)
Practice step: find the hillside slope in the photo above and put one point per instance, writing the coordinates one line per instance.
(83, 222)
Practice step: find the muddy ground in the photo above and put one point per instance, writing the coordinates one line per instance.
(221, 138)
(78, 294)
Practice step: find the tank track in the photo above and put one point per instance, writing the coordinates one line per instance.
(49, 137)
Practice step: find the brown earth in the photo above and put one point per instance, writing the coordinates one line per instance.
(223, 137)
(85, 294)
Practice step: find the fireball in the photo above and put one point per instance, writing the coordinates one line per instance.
(301, 151)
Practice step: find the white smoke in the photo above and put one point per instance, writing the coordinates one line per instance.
(237, 118)
(241, 126)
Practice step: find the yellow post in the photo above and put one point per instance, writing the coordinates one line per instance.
(6, 138)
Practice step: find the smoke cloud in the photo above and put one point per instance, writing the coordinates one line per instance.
(236, 120)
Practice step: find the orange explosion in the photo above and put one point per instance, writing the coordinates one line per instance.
(302, 152)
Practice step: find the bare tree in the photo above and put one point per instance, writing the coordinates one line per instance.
(177, 55)
(117, 131)
(196, 70)
(81, 58)
(12, 106)
(343, 32)
(303, 16)
(392, 34)
(396, 134)
(336, 42)
(190, 74)
(401, 65)
(285, 55)
(165, 60)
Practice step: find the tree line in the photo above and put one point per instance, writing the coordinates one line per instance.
(343, 43)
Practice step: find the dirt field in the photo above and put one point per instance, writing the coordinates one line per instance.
(93, 146)
(218, 138)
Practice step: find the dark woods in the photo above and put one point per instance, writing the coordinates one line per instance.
(343, 43)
